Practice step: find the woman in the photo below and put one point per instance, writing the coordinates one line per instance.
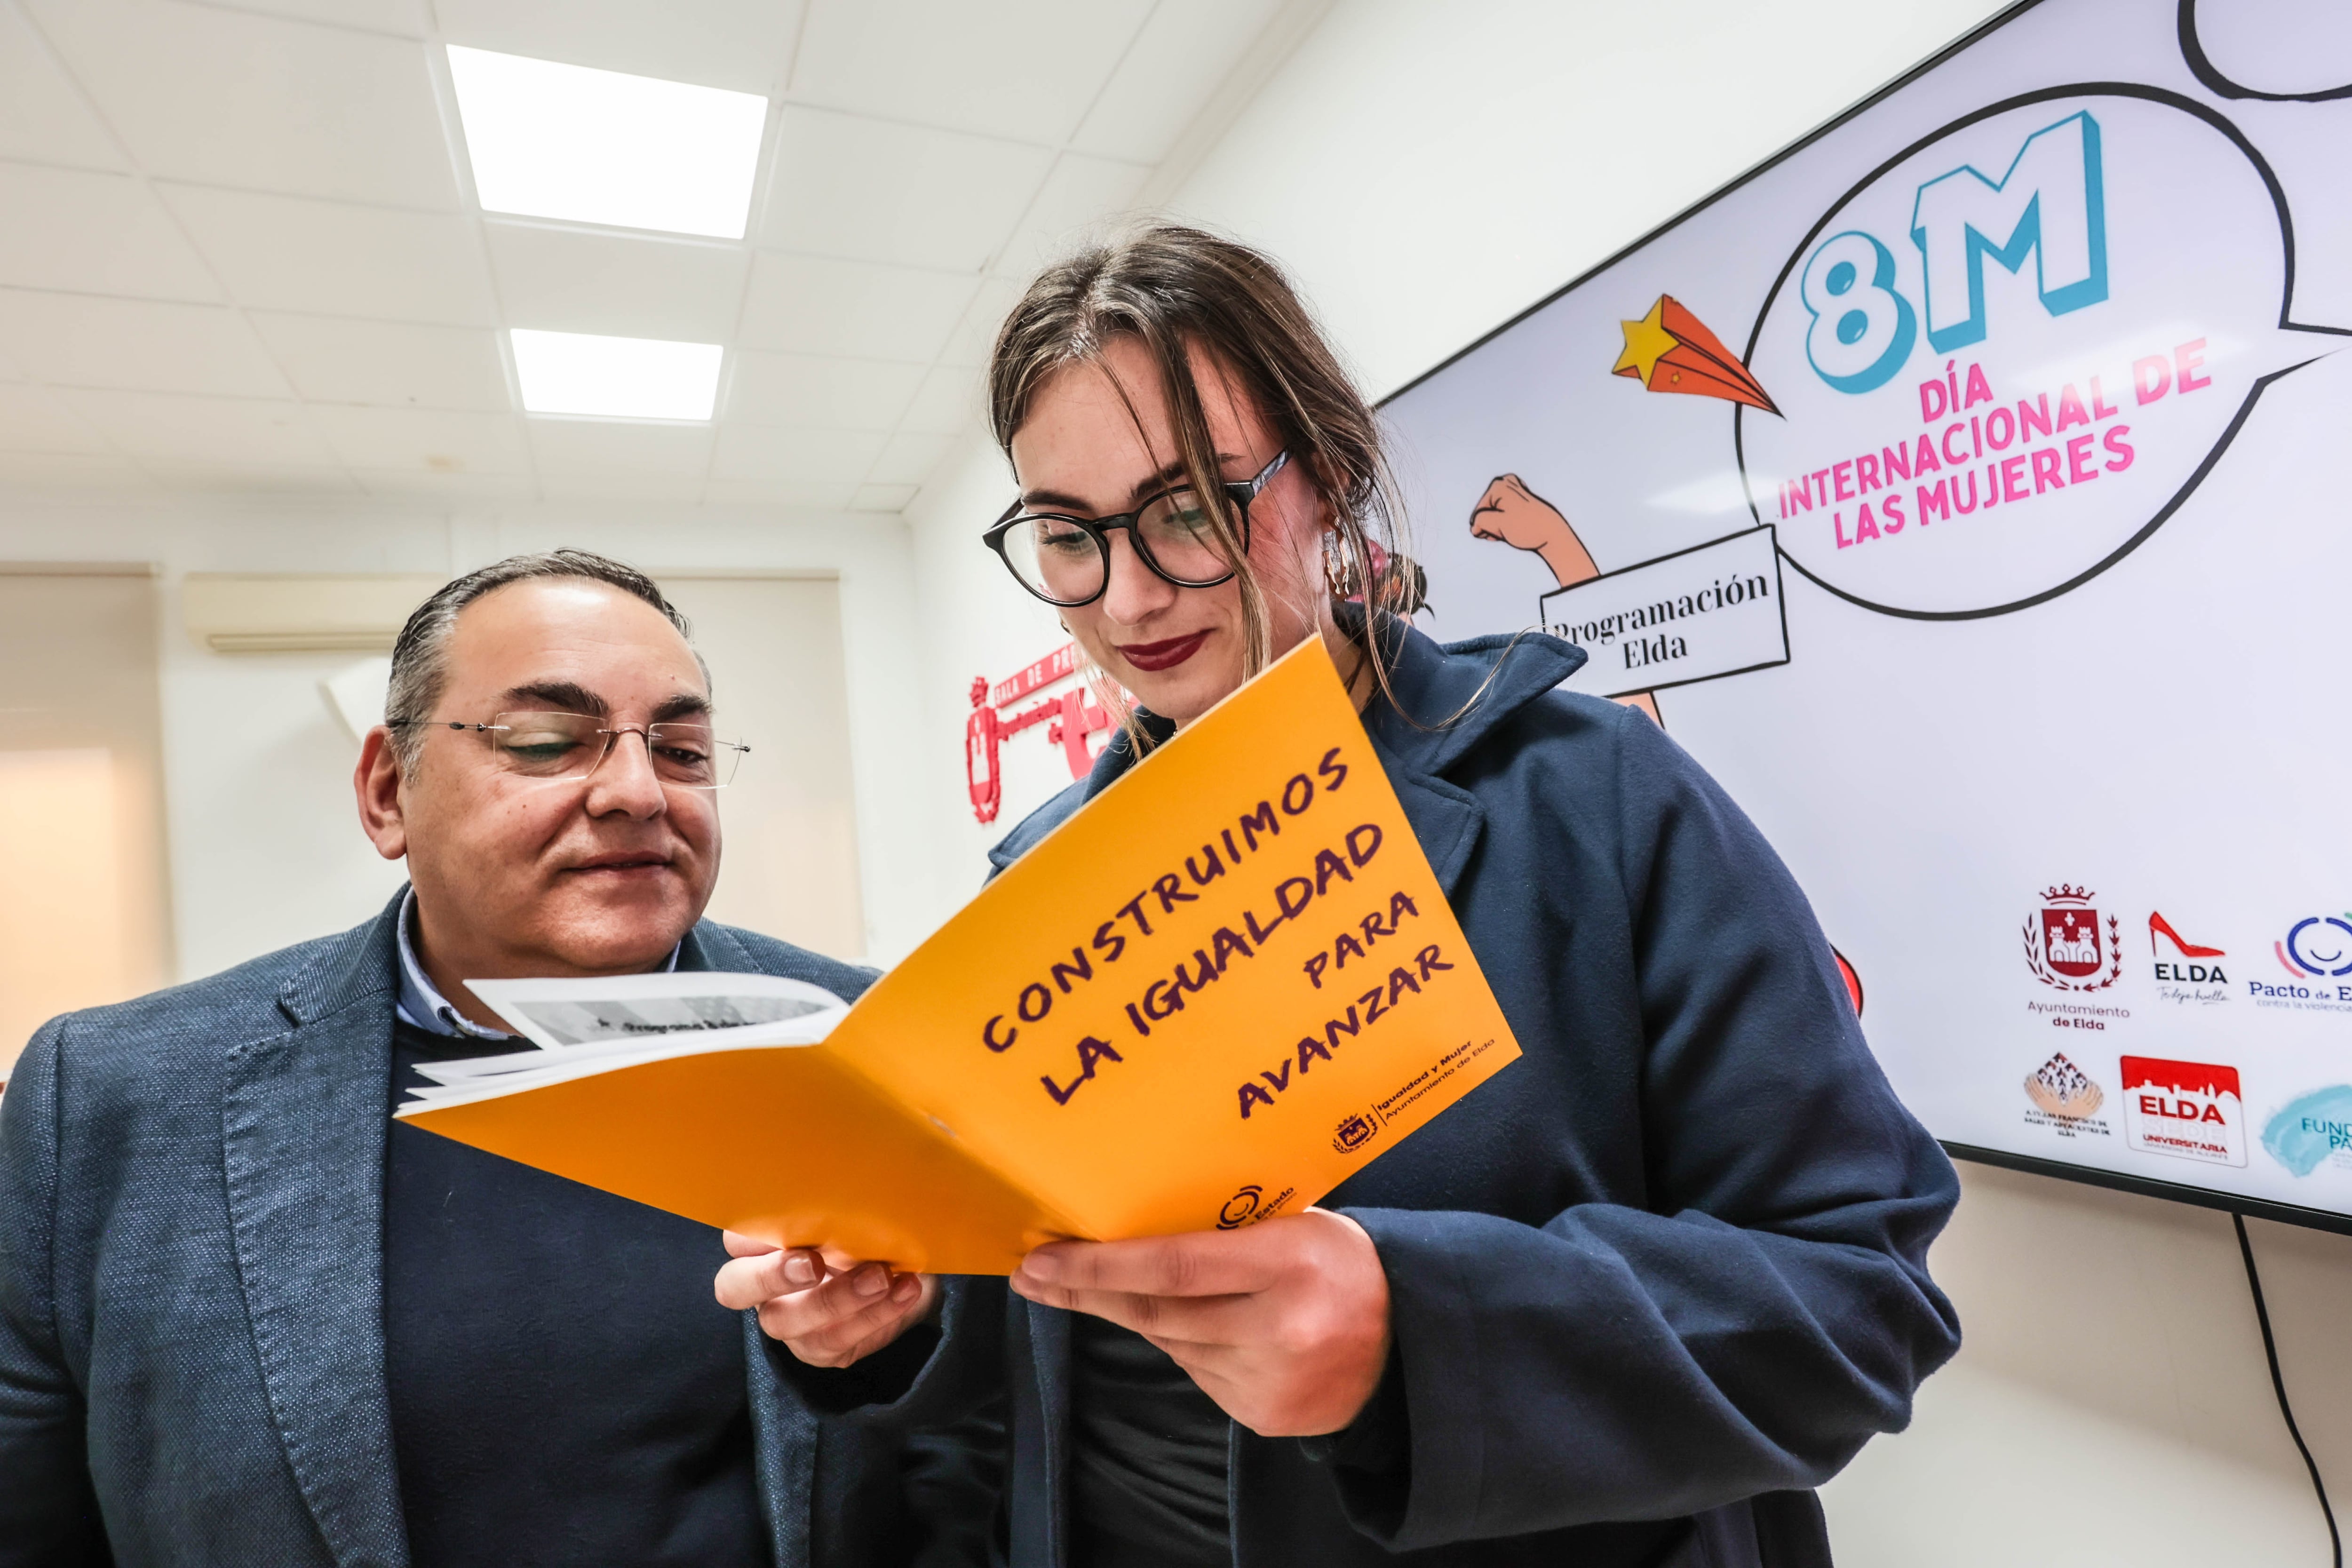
(1621, 1304)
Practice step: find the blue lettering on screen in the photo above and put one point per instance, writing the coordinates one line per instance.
(2050, 203)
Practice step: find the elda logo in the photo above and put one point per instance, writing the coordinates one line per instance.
(2193, 973)
(2065, 945)
(2179, 969)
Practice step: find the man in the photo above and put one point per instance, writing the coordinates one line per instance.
(245, 1319)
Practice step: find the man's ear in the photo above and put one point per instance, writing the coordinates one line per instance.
(376, 782)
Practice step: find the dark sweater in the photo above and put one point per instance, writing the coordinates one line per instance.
(1148, 1467)
(564, 1387)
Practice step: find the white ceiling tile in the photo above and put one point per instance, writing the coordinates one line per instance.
(430, 439)
(571, 449)
(1081, 199)
(247, 478)
(952, 399)
(283, 253)
(330, 359)
(229, 98)
(882, 497)
(94, 234)
(629, 286)
(773, 452)
(78, 339)
(32, 420)
(975, 335)
(873, 191)
(857, 310)
(224, 431)
(54, 471)
(1185, 53)
(830, 393)
(1023, 68)
(740, 45)
(809, 494)
(908, 459)
(41, 116)
(677, 490)
(428, 482)
(402, 18)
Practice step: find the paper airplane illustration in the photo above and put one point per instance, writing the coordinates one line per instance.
(1670, 349)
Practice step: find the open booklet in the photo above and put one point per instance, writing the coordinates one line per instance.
(586, 1027)
(1219, 989)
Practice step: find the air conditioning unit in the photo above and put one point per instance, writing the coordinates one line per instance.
(290, 613)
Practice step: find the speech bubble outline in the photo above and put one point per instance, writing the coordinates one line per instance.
(2222, 444)
(2202, 67)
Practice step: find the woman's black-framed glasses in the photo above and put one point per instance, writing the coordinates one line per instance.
(1066, 561)
(568, 747)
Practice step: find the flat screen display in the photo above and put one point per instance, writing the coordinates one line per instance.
(1967, 488)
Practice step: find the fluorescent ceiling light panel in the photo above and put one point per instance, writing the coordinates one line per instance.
(618, 378)
(590, 146)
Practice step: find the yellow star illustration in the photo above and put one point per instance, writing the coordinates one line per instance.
(1646, 341)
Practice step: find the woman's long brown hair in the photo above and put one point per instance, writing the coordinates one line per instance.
(1172, 289)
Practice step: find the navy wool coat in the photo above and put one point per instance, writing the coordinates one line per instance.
(1652, 1283)
(192, 1343)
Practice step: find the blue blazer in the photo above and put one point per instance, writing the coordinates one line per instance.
(1649, 1284)
(192, 1351)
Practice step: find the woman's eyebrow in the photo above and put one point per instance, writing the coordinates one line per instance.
(1149, 485)
(1030, 501)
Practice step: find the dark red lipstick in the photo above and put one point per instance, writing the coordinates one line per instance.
(1161, 655)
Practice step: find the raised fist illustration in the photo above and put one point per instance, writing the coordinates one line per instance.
(1523, 520)
(1516, 515)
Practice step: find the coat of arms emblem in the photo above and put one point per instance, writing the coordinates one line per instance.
(1356, 1130)
(2067, 944)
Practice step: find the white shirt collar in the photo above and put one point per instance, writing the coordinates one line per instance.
(420, 1006)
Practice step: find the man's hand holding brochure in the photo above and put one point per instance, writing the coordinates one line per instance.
(1206, 999)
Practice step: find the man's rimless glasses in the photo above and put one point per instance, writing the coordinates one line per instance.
(1066, 561)
(559, 747)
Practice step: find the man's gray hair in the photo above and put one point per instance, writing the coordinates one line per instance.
(420, 658)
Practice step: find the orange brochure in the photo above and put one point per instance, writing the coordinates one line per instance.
(1208, 999)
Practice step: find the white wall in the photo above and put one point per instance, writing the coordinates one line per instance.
(975, 621)
(1428, 170)
(265, 842)
(2111, 1403)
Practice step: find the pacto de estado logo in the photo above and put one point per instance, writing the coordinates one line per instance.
(2316, 955)
(2065, 946)
(2005, 357)
(1241, 1208)
(1250, 1204)
(2316, 947)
